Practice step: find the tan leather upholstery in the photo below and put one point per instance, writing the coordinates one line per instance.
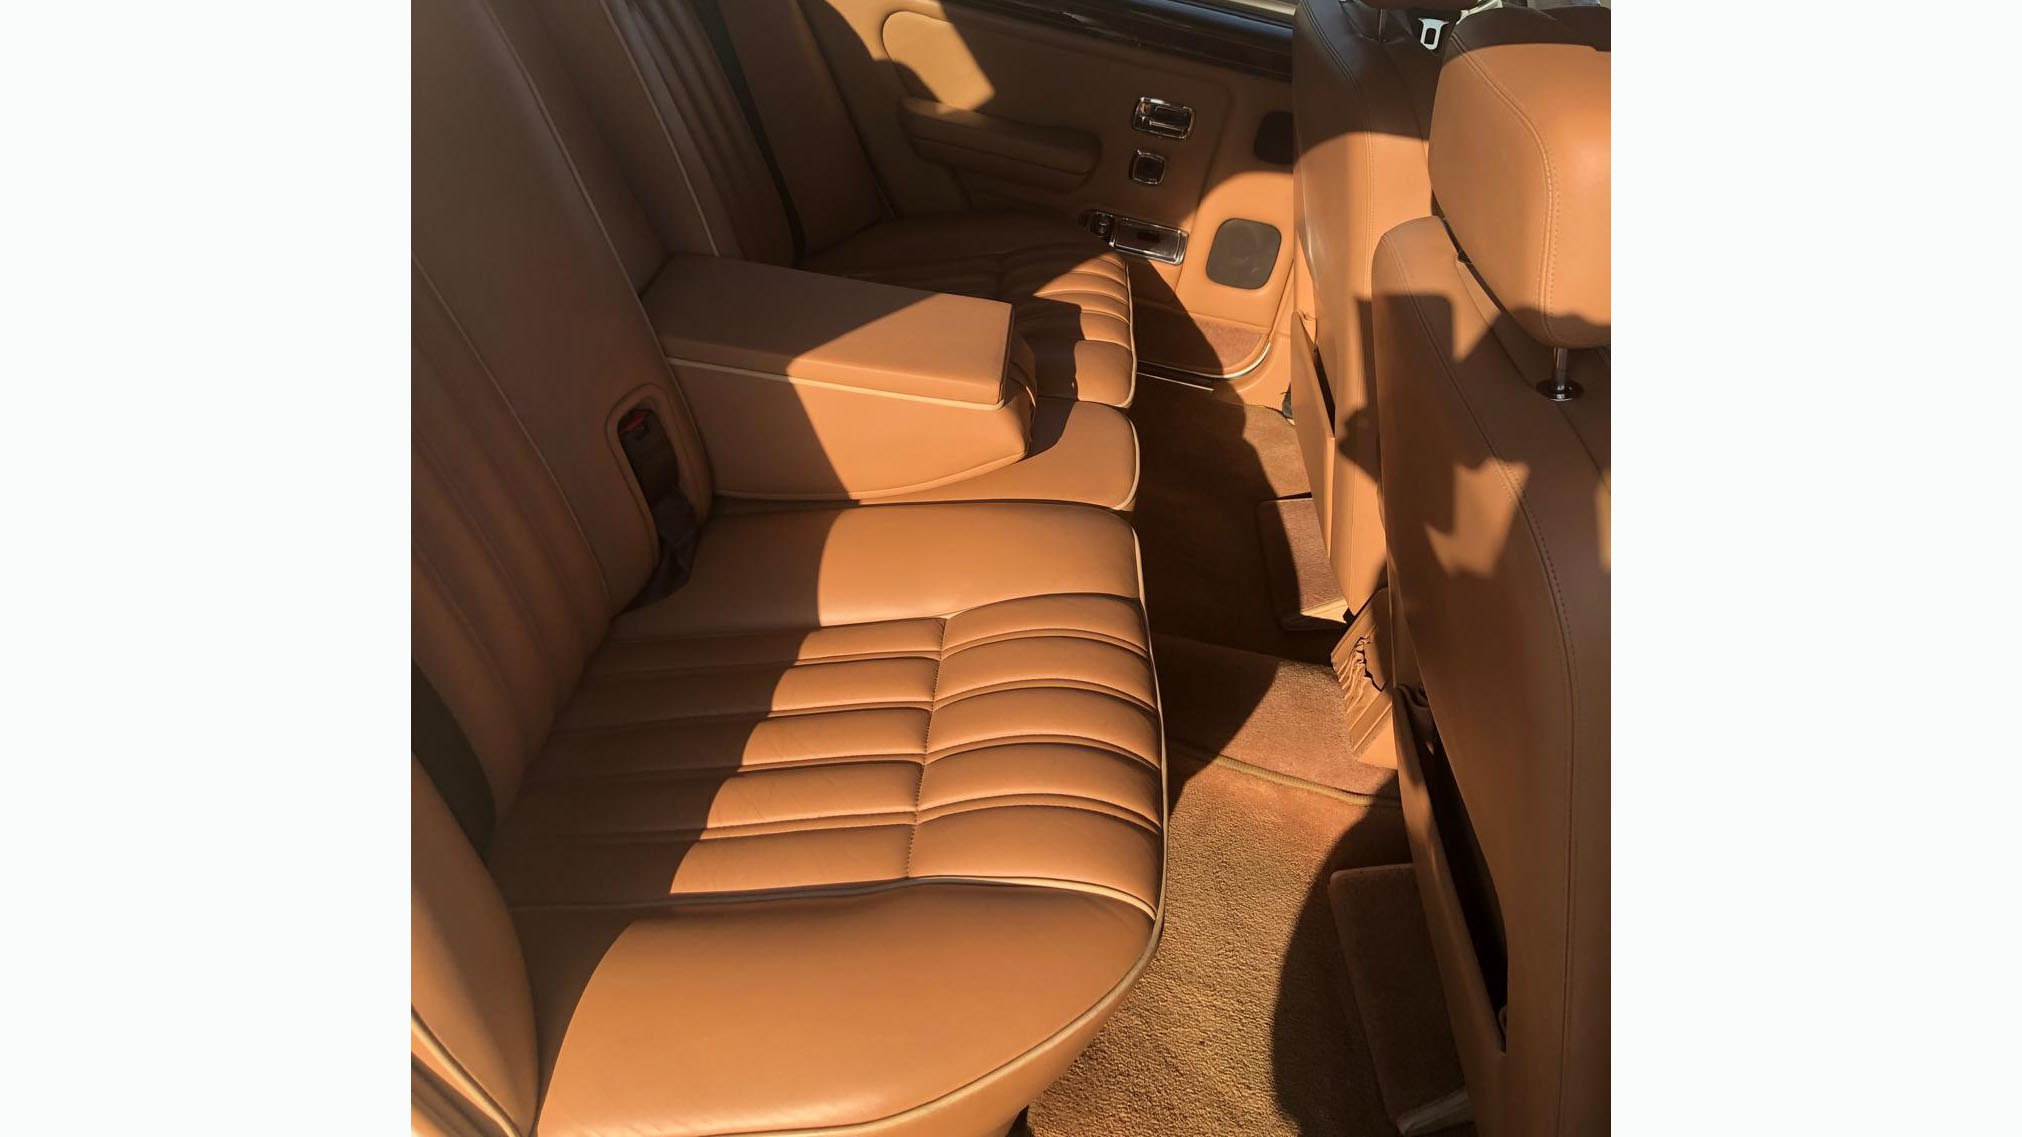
(802, 385)
(995, 61)
(654, 84)
(1048, 157)
(1083, 453)
(909, 695)
(822, 444)
(1070, 293)
(1364, 93)
(1497, 506)
(1521, 160)
(847, 333)
(813, 140)
(473, 1016)
(859, 829)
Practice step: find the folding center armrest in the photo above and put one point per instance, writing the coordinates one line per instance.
(823, 388)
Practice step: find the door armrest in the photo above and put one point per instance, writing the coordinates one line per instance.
(1048, 157)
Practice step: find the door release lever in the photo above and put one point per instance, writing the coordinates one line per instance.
(1164, 119)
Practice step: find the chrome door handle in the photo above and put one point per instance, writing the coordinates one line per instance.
(1166, 120)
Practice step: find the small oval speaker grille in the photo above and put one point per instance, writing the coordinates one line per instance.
(1244, 253)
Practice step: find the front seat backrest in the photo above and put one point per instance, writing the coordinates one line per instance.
(1362, 88)
(1491, 333)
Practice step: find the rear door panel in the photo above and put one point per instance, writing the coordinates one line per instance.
(967, 108)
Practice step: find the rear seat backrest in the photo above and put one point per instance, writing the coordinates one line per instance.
(813, 138)
(529, 530)
(648, 71)
(637, 236)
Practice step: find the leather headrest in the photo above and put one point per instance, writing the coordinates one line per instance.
(1520, 166)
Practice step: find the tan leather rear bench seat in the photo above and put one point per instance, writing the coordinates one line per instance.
(858, 829)
(1075, 450)
(649, 74)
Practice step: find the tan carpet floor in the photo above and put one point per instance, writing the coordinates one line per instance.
(1204, 466)
(1283, 715)
(1237, 1026)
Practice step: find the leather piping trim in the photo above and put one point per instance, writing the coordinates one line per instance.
(744, 633)
(691, 469)
(885, 210)
(438, 1060)
(975, 471)
(435, 1102)
(660, 119)
(484, 651)
(1566, 650)
(693, 900)
(1003, 400)
(1199, 379)
(491, 378)
(1548, 268)
(1136, 475)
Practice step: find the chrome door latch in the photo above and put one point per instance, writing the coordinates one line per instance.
(1167, 120)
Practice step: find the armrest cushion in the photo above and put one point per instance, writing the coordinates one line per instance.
(831, 329)
(819, 388)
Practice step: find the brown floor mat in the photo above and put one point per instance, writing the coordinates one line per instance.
(1304, 589)
(1237, 1027)
(1393, 985)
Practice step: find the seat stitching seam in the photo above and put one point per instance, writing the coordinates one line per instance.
(754, 634)
(660, 120)
(849, 888)
(1012, 686)
(926, 744)
(1547, 266)
(561, 491)
(734, 716)
(719, 832)
(1566, 645)
(556, 783)
(612, 675)
(536, 632)
(803, 824)
(1136, 817)
(976, 745)
(1004, 603)
(483, 648)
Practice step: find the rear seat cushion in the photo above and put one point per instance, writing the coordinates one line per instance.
(1070, 291)
(862, 825)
